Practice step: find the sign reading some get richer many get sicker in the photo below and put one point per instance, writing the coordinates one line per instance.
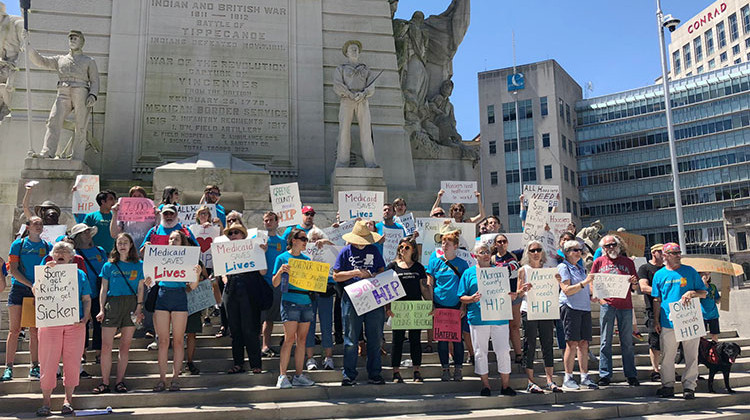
(201, 297)
(365, 204)
(234, 257)
(494, 285)
(56, 295)
(459, 191)
(372, 293)
(543, 299)
(287, 204)
(170, 263)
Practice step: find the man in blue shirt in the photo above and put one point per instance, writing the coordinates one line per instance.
(389, 222)
(159, 235)
(672, 283)
(276, 246)
(308, 221)
(102, 218)
(211, 195)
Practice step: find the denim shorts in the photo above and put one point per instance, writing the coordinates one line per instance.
(172, 299)
(17, 293)
(291, 311)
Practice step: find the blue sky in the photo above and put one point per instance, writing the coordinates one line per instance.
(612, 44)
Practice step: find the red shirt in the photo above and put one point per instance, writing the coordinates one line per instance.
(76, 259)
(620, 265)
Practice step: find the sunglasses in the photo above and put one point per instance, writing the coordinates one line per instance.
(235, 232)
(675, 253)
(483, 252)
(404, 247)
(439, 214)
(216, 193)
(303, 239)
(309, 213)
(610, 245)
(535, 250)
(575, 250)
(501, 241)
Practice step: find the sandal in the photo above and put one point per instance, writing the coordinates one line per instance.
(101, 389)
(43, 411)
(655, 376)
(67, 409)
(519, 359)
(418, 376)
(121, 388)
(174, 386)
(160, 387)
(533, 388)
(221, 333)
(397, 379)
(554, 388)
(257, 371)
(236, 369)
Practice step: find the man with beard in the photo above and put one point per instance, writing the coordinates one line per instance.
(611, 262)
(645, 280)
(159, 235)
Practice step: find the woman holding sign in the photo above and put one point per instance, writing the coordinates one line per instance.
(121, 299)
(63, 341)
(502, 258)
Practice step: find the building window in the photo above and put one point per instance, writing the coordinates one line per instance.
(721, 35)
(566, 174)
(723, 57)
(738, 61)
(698, 48)
(511, 145)
(564, 142)
(709, 41)
(741, 241)
(734, 31)
(687, 56)
(545, 139)
(676, 62)
(490, 114)
(573, 177)
(493, 178)
(567, 114)
(736, 49)
(745, 13)
(699, 70)
(747, 43)
(529, 174)
(575, 209)
(560, 105)
(543, 106)
(509, 111)
(511, 177)
(711, 64)
(547, 171)
(567, 205)
(496, 209)
(514, 207)
(570, 147)
(493, 147)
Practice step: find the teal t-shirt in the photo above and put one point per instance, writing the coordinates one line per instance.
(446, 280)
(467, 286)
(101, 221)
(28, 254)
(83, 290)
(276, 245)
(670, 285)
(708, 305)
(380, 227)
(289, 230)
(297, 298)
(118, 285)
(94, 260)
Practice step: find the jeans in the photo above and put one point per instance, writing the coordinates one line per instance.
(458, 347)
(244, 324)
(624, 317)
(352, 324)
(323, 307)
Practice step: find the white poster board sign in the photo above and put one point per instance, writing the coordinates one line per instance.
(201, 297)
(325, 254)
(493, 285)
(390, 244)
(543, 299)
(558, 223)
(205, 236)
(56, 297)
(607, 286)
(170, 262)
(286, 202)
(550, 194)
(372, 293)
(460, 253)
(686, 319)
(84, 197)
(234, 257)
(365, 204)
(427, 228)
(50, 233)
(186, 213)
(408, 222)
(335, 234)
(459, 191)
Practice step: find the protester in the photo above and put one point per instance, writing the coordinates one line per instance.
(621, 310)
(709, 307)
(493, 224)
(443, 275)
(388, 222)
(457, 210)
(102, 219)
(212, 195)
(232, 218)
(413, 279)
(575, 312)
(276, 245)
(483, 331)
(502, 258)
(137, 230)
(645, 280)
(534, 257)
(25, 254)
(437, 212)
(121, 300)
(399, 206)
(159, 235)
(360, 259)
(675, 282)
(296, 311)
(48, 210)
(194, 325)
(169, 195)
(64, 342)
(322, 307)
(308, 221)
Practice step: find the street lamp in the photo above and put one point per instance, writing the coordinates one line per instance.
(670, 23)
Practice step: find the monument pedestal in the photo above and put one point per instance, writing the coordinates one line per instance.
(357, 179)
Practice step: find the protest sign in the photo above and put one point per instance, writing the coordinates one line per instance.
(135, 209)
(335, 234)
(411, 315)
(309, 275)
(607, 286)
(494, 285)
(170, 262)
(186, 213)
(201, 297)
(325, 253)
(84, 197)
(550, 194)
(50, 233)
(460, 253)
(259, 234)
(687, 320)
(234, 257)
(558, 223)
(427, 228)
(535, 229)
(56, 296)
(205, 237)
(710, 265)
(28, 313)
(408, 222)
(639, 261)
(365, 204)
(543, 299)
(468, 235)
(635, 244)
(390, 244)
(459, 191)
(372, 293)
(286, 202)
(446, 325)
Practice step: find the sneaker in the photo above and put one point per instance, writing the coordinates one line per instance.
(603, 381)
(589, 383)
(283, 382)
(215, 313)
(485, 392)
(633, 382)
(7, 375)
(154, 345)
(312, 364)
(348, 382)
(665, 392)
(446, 376)
(268, 352)
(34, 373)
(193, 369)
(458, 375)
(655, 376)
(207, 322)
(397, 379)
(508, 391)
(328, 363)
(688, 394)
(570, 384)
(84, 374)
(378, 380)
(302, 380)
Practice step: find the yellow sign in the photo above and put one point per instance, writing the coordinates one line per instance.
(308, 275)
(711, 265)
(28, 314)
(635, 244)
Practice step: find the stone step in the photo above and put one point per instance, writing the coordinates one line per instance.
(732, 412)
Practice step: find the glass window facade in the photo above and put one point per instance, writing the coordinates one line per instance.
(721, 35)
(709, 36)
(745, 14)
(543, 106)
(734, 30)
(687, 56)
(698, 48)
(676, 66)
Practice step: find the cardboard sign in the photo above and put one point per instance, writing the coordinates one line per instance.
(427, 228)
(255, 233)
(446, 325)
(309, 275)
(84, 197)
(390, 244)
(335, 234)
(325, 254)
(286, 202)
(543, 299)
(186, 213)
(550, 194)
(635, 244)
(201, 297)
(365, 204)
(687, 320)
(710, 265)
(607, 286)
(468, 235)
(205, 237)
(56, 297)
(411, 315)
(558, 223)
(170, 263)
(459, 191)
(493, 285)
(28, 313)
(135, 209)
(50, 233)
(372, 293)
(408, 222)
(535, 229)
(234, 257)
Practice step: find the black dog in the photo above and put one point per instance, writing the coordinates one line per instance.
(718, 358)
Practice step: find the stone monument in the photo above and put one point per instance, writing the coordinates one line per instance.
(11, 28)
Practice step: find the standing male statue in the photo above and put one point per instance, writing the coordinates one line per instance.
(77, 91)
(11, 28)
(353, 83)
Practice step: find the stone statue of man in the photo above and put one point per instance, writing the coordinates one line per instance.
(77, 91)
(353, 83)
(11, 28)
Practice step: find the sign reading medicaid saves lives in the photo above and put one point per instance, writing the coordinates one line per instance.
(493, 285)
(372, 293)
(84, 197)
(186, 212)
(550, 194)
(234, 257)
(170, 263)
(459, 191)
(365, 204)
(287, 204)
(543, 299)
(687, 320)
(56, 295)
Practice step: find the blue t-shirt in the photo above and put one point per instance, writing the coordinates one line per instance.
(221, 214)
(350, 258)
(289, 230)
(117, 283)
(83, 290)
(30, 254)
(598, 253)
(708, 304)
(159, 235)
(96, 256)
(446, 280)
(670, 285)
(297, 298)
(101, 221)
(581, 300)
(380, 225)
(276, 246)
(467, 286)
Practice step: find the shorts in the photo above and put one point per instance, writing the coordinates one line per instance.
(194, 323)
(17, 293)
(712, 325)
(172, 299)
(576, 324)
(273, 314)
(465, 325)
(295, 312)
(653, 336)
(117, 311)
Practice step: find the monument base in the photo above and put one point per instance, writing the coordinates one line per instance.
(357, 179)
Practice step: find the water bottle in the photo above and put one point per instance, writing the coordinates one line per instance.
(284, 282)
(134, 318)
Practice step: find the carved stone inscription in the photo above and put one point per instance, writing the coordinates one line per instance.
(217, 78)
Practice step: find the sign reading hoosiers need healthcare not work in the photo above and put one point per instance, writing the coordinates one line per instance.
(459, 191)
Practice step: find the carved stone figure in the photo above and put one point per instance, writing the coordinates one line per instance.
(11, 28)
(353, 82)
(443, 117)
(77, 91)
(590, 234)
